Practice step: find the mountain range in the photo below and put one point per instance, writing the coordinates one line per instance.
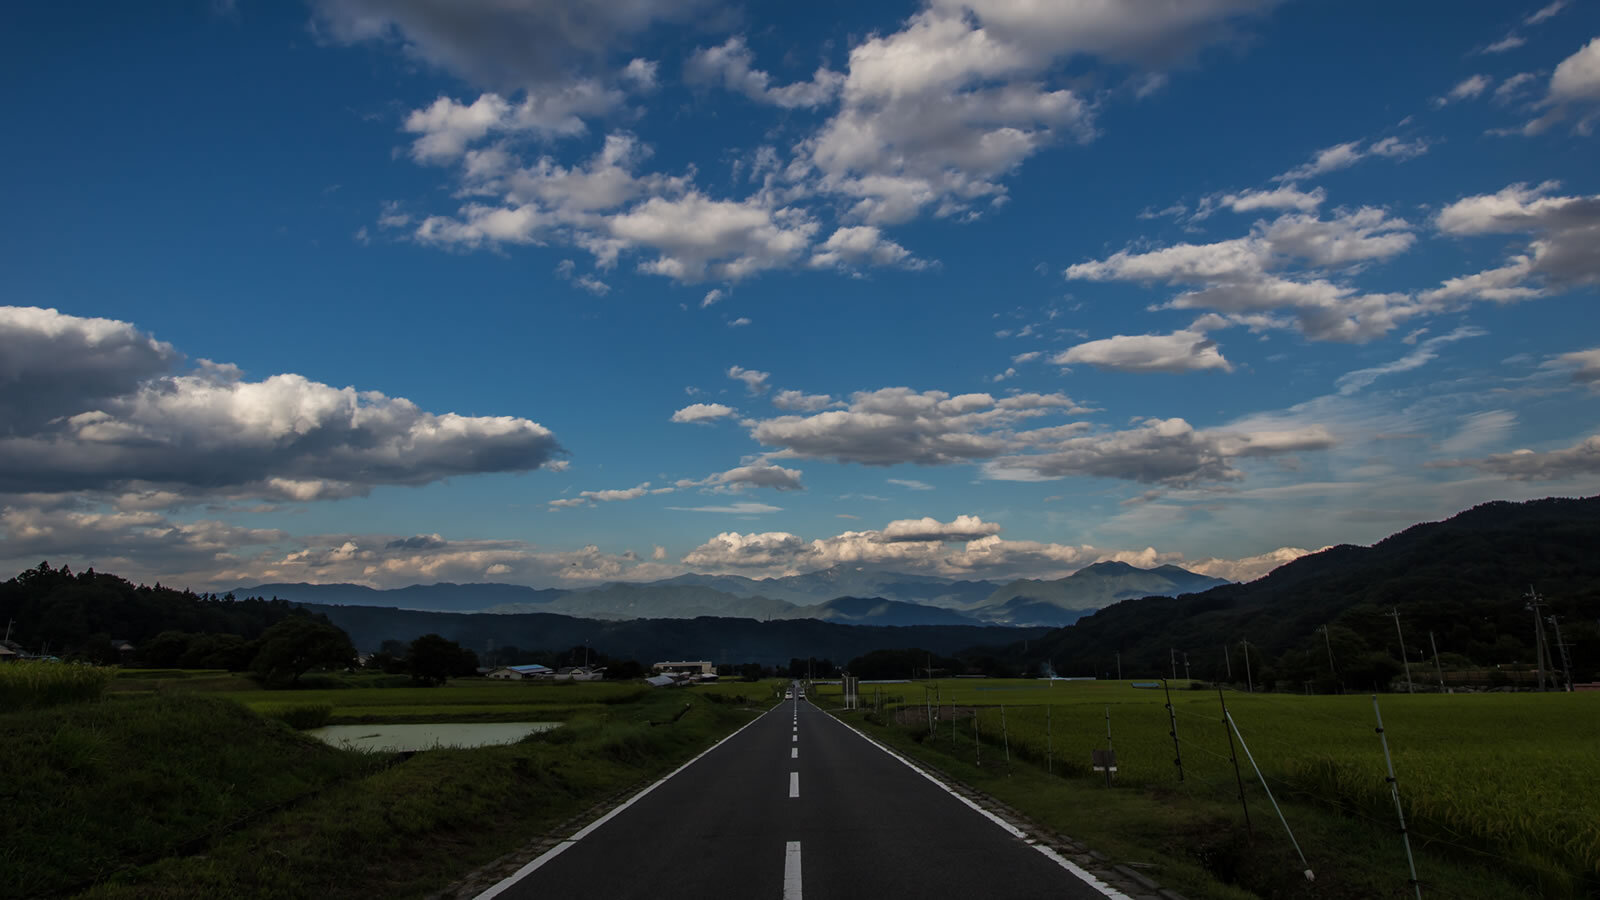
(845, 594)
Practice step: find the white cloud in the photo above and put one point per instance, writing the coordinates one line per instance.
(99, 415)
(701, 413)
(1158, 451)
(803, 402)
(1239, 277)
(1352, 382)
(1510, 42)
(1342, 156)
(1545, 12)
(696, 237)
(1467, 89)
(755, 383)
(854, 245)
(962, 528)
(756, 475)
(1480, 430)
(641, 73)
(1247, 569)
(1581, 459)
(741, 509)
(712, 296)
(609, 496)
(910, 484)
(447, 127)
(1286, 197)
(1564, 251)
(1584, 365)
(1180, 351)
(1577, 78)
(731, 65)
(899, 425)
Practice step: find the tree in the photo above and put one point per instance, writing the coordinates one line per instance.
(297, 644)
(432, 659)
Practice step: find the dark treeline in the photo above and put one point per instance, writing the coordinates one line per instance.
(80, 614)
(1463, 579)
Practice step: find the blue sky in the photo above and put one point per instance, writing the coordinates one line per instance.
(400, 291)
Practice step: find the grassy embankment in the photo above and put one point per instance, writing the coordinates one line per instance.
(182, 793)
(1499, 790)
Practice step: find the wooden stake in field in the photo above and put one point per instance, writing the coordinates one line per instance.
(1005, 738)
(1394, 791)
(1233, 756)
(1172, 719)
(1049, 744)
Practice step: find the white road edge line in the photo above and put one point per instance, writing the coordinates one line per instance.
(1083, 874)
(791, 871)
(794, 784)
(505, 883)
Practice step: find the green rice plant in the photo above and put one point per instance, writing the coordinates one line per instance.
(1501, 779)
(34, 684)
(301, 716)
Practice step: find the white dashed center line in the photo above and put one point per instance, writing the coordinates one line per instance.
(794, 752)
(791, 872)
(794, 784)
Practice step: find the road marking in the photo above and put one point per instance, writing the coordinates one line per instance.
(791, 871)
(794, 737)
(794, 752)
(1082, 874)
(794, 784)
(583, 832)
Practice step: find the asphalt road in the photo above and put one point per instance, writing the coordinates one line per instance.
(796, 805)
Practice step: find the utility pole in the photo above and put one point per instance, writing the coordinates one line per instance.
(1438, 668)
(1395, 614)
(1227, 661)
(1539, 654)
(1566, 662)
(1249, 680)
(1186, 666)
(1333, 670)
(1172, 657)
(1119, 665)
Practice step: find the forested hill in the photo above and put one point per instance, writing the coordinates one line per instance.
(75, 612)
(650, 640)
(1463, 579)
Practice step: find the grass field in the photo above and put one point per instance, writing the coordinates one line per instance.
(1506, 779)
(169, 792)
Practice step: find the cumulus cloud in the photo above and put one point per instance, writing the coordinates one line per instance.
(899, 425)
(447, 127)
(1181, 351)
(731, 65)
(108, 419)
(1248, 277)
(962, 528)
(803, 402)
(1248, 568)
(756, 475)
(1158, 451)
(754, 382)
(852, 245)
(1564, 251)
(702, 413)
(964, 548)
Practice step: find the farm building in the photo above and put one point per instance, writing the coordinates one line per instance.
(692, 667)
(579, 673)
(518, 673)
